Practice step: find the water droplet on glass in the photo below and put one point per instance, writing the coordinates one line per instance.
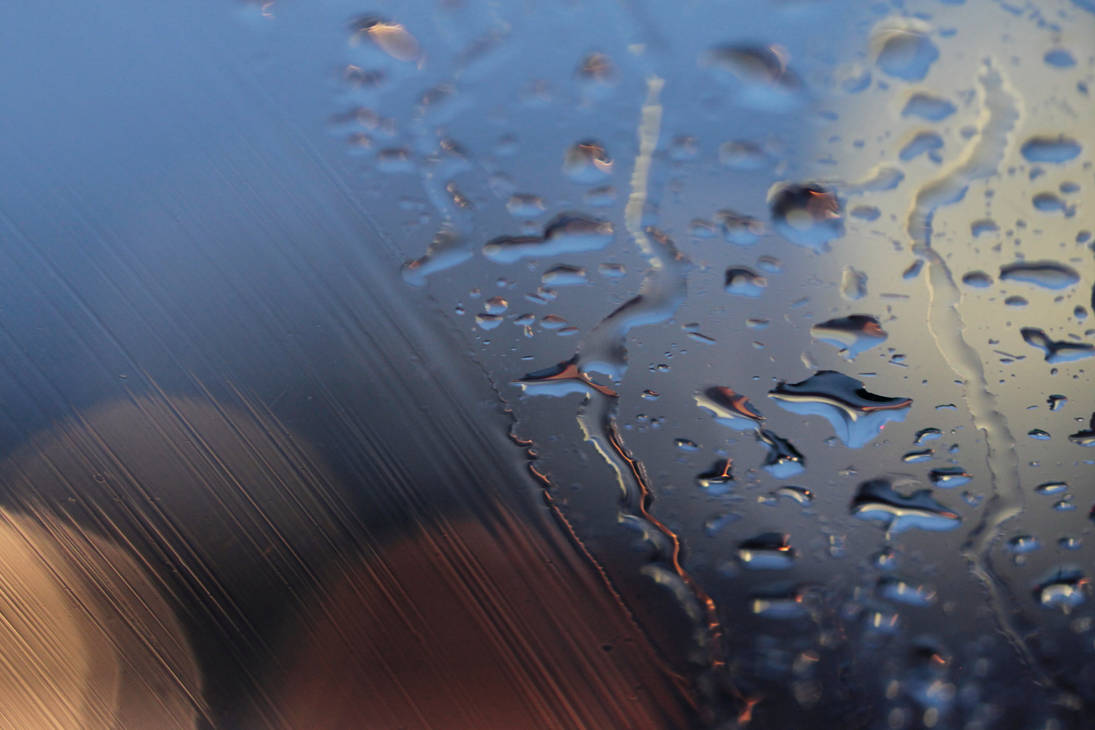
(1039, 434)
(928, 434)
(1051, 488)
(949, 477)
(927, 106)
(1056, 351)
(1049, 203)
(759, 74)
(1085, 437)
(856, 414)
(1059, 58)
(488, 321)
(495, 305)
(718, 478)
(767, 551)
(852, 335)
(922, 143)
(915, 457)
(740, 229)
(783, 460)
(392, 38)
(1046, 274)
(1063, 589)
(902, 48)
(896, 589)
(983, 227)
(1056, 401)
(1023, 544)
(853, 284)
(563, 275)
(977, 279)
(565, 234)
(686, 444)
(801, 495)
(729, 408)
(878, 500)
(807, 215)
(1049, 148)
(525, 205)
(587, 162)
(744, 282)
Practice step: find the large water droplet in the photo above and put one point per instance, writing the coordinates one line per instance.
(807, 215)
(1056, 351)
(856, 414)
(1063, 589)
(566, 233)
(759, 75)
(1046, 274)
(878, 500)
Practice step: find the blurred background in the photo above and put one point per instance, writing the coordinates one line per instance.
(460, 364)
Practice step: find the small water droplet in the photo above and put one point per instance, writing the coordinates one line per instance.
(927, 106)
(1039, 434)
(783, 460)
(902, 48)
(767, 551)
(1063, 589)
(587, 162)
(853, 284)
(729, 408)
(744, 282)
(977, 279)
(949, 477)
(1049, 148)
(686, 444)
(1059, 58)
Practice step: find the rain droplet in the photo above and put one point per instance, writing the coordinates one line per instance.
(878, 500)
(851, 335)
(1051, 488)
(566, 233)
(1064, 589)
(1039, 434)
(977, 279)
(1056, 351)
(718, 478)
(783, 460)
(928, 434)
(857, 415)
(949, 477)
(740, 229)
(802, 495)
(1048, 148)
(915, 457)
(923, 142)
(1085, 437)
(729, 408)
(928, 107)
(563, 275)
(745, 282)
(902, 49)
(807, 215)
(1059, 58)
(1023, 544)
(853, 284)
(525, 205)
(587, 162)
(1046, 274)
(767, 551)
(895, 589)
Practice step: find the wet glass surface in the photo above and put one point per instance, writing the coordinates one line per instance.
(611, 364)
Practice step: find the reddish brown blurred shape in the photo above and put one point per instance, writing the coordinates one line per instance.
(465, 627)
